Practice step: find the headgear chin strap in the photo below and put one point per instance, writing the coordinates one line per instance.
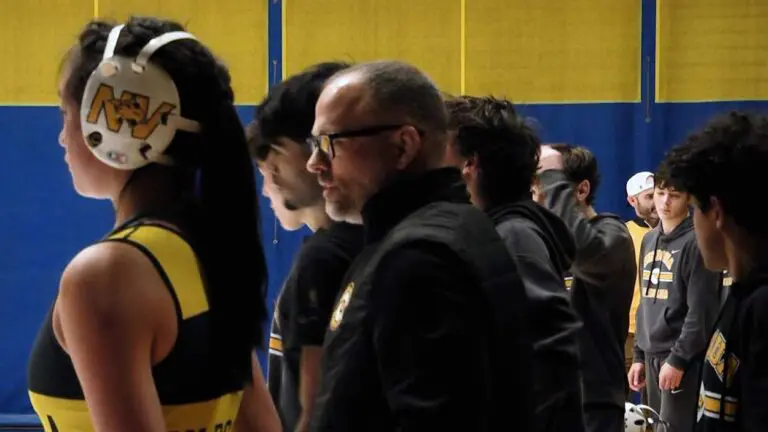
(130, 108)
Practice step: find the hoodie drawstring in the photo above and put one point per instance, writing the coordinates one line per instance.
(653, 267)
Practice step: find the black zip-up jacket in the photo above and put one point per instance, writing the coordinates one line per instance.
(428, 333)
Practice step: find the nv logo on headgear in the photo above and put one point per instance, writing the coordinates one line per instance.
(135, 93)
(130, 108)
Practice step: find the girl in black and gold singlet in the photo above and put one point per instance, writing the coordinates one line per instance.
(154, 326)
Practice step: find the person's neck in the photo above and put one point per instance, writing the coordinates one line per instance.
(669, 225)
(651, 222)
(315, 217)
(150, 192)
(744, 254)
(588, 211)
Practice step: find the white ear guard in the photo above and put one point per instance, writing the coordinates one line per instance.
(130, 108)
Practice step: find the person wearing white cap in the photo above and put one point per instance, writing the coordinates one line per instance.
(640, 197)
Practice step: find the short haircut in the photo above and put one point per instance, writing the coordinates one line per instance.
(288, 110)
(505, 146)
(725, 160)
(580, 164)
(402, 88)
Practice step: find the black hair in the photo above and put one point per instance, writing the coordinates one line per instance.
(725, 160)
(579, 164)
(288, 110)
(662, 180)
(225, 233)
(506, 148)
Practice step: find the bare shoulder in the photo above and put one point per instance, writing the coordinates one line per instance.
(112, 284)
(106, 272)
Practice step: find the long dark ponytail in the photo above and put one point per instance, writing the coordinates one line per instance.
(226, 225)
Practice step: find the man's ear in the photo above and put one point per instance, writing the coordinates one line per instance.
(582, 191)
(408, 146)
(715, 212)
(470, 167)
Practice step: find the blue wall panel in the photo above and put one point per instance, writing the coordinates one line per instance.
(43, 223)
(609, 130)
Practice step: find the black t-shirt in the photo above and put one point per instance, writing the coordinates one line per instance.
(303, 309)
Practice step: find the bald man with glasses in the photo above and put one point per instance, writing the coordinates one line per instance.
(427, 333)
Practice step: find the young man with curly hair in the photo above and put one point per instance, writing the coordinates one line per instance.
(717, 166)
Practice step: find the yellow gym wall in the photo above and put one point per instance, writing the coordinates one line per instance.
(711, 50)
(531, 51)
(35, 35)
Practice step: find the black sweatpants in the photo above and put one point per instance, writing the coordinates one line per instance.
(677, 407)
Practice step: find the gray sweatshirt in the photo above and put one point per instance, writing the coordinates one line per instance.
(680, 297)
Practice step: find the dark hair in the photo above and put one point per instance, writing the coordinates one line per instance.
(397, 87)
(724, 160)
(288, 110)
(662, 180)
(506, 148)
(580, 164)
(226, 228)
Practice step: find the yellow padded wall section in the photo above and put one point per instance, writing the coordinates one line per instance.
(711, 50)
(34, 36)
(554, 51)
(425, 33)
(235, 30)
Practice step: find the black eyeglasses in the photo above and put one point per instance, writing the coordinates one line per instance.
(324, 143)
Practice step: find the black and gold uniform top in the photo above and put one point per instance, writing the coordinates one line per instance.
(192, 395)
(734, 377)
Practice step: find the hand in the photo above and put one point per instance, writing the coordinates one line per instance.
(669, 377)
(636, 376)
(550, 159)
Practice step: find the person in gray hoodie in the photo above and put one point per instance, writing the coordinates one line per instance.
(679, 305)
(498, 154)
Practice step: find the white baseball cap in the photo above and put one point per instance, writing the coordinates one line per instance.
(639, 182)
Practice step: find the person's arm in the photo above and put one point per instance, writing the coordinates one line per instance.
(599, 248)
(702, 297)
(427, 306)
(317, 281)
(257, 411)
(754, 374)
(111, 303)
(638, 356)
(548, 301)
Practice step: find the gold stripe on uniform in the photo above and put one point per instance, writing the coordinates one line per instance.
(275, 343)
(711, 402)
(72, 415)
(179, 263)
